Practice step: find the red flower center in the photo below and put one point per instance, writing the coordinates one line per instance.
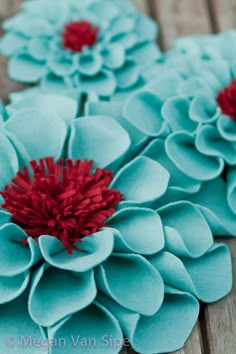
(227, 100)
(78, 34)
(65, 200)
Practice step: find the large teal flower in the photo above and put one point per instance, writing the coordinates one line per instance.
(79, 46)
(85, 255)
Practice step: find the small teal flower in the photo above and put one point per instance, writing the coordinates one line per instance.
(79, 46)
(131, 266)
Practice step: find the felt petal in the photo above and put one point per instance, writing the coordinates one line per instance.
(73, 292)
(64, 106)
(113, 56)
(110, 13)
(186, 230)
(127, 75)
(146, 28)
(8, 161)
(212, 273)
(51, 132)
(104, 83)
(126, 40)
(122, 269)
(12, 287)
(25, 256)
(211, 143)
(98, 138)
(157, 152)
(203, 109)
(90, 63)
(61, 64)
(164, 332)
(231, 190)
(53, 83)
(11, 43)
(193, 86)
(143, 110)
(24, 68)
(144, 53)
(5, 217)
(39, 48)
(140, 231)
(215, 207)
(94, 250)
(16, 323)
(122, 24)
(164, 85)
(142, 180)
(95, 324)
(227, 128)
(182, 150)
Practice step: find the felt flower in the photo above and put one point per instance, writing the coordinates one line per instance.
(79, 46)
(84, 252)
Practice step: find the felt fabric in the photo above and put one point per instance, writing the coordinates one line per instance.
(139, 275)
(34, 43)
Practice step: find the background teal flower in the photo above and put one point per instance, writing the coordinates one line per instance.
(143, 268)
(42, 43)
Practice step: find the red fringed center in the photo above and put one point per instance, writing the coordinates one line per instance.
(65, 199)
(78, 34)
(227, 100)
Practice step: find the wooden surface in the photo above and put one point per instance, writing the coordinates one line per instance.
(215, 332)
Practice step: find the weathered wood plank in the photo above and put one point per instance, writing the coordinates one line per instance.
(179, 18)
(221, 317)
(142, 5)
(224, 13)
(7, 8)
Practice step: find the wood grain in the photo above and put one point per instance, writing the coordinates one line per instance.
(8, 8)
(142, 5)
(221, 317)
(180, 17)
(224, 12)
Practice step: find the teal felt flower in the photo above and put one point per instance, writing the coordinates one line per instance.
(79, 46)
(84, 251)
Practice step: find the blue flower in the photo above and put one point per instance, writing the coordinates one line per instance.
(143, 267)
(79, 46)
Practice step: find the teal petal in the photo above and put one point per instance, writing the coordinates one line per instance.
(90, 63)
(186, 230)
(144, 53)
(47, 306)
(126, 40)
(16, 323)
(146, 28)
(98, 138)
(104, 83)
(211, 143)
(203, 109)
(65, 107)
(193, 86)
(94, 322)
(24, 68)
(122, 269)
(164, 85)
(61, 64)
(111, 10)
(231, 191)
(215, 207)
(12, 287)
(141, 181)
(139, 231)
(166, 331)
(11, 43)
(212, 273)
(227, 128)
(5, 217)
(157, 152)
(182, 150)
(127, 75)
(113, 56)
(94, 249)
(39, 48)
(25, 256)
(176, 111)
(8, 161)
(122, 25)
(51, 132)
(143, 110)
(53, 83)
